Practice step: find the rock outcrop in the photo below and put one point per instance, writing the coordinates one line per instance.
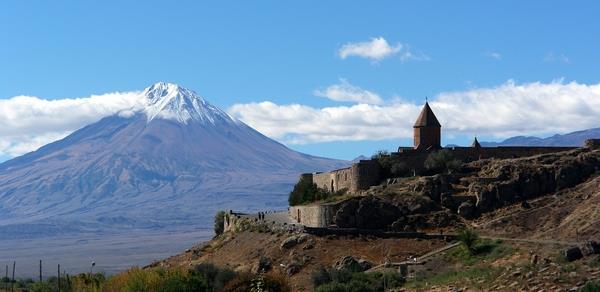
(366, 213)
(503, 182)
(349, 263)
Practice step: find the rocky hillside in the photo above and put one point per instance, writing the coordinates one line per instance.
(530, 213)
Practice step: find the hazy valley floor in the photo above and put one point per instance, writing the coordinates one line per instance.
(111, 252)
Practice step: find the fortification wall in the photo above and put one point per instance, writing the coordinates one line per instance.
(334, 181)
(313, 215)
(230, 221)
(365, 173)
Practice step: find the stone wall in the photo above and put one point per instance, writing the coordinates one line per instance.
(314, 215)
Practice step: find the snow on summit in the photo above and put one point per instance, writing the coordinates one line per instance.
(173, 102)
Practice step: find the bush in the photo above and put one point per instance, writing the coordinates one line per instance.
(592, 286)
(219, 222)
(393, 166)
(468, 237)
(442, 161)
(305, 192)
(216, 278)
(41, 287)
(320, 276)
(342, 280)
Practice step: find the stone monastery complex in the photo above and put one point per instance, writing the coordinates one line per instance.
(427, 139)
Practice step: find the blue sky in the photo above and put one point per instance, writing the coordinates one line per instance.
(245, 52)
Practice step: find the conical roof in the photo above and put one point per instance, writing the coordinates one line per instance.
(476, 143)
(427, 118)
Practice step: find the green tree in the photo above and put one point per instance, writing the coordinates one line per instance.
(219, 222)
(304, 192)
(442, 161)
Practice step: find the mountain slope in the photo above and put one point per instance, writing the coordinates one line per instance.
(570, 139)
(176, 161)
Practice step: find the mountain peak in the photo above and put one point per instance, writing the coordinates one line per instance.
(173, 102)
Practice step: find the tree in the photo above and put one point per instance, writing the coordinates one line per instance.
(219, 222)
(305, 191)
(442, 161)
(380, 154)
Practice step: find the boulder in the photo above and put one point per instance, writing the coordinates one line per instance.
(572, 253)
(466, 210)
(345, 217)
(310, 244)
(293, 268)
(294, 240)
(289, 242)
(263, 265)
(590, 247)
(349, 263)
(485, 196)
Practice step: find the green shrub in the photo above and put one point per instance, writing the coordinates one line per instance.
(219, 223)
(468, 237)
(481, 249)
(442, 161)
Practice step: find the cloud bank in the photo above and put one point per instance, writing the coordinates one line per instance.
(506, 110)
(344, 91)
(503, 111)
(377, 49)
(31, 122)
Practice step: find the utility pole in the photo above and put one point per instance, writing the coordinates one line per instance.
(40, 270)
(12, 283)
(58, 279)
(6, 279)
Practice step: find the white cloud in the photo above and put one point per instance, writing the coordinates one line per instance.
(552, 57)
(344, 91)
(503, 111)
(494, 55)
(30, 122)
(378, 49)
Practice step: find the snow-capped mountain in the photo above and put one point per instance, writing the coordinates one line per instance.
(174, 161)
(170, 101)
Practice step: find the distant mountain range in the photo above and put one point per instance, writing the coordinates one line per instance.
(570, 139)
(177, 161)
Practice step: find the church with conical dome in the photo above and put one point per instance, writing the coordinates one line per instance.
(427, 139)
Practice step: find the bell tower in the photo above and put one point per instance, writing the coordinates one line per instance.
(427, 130)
